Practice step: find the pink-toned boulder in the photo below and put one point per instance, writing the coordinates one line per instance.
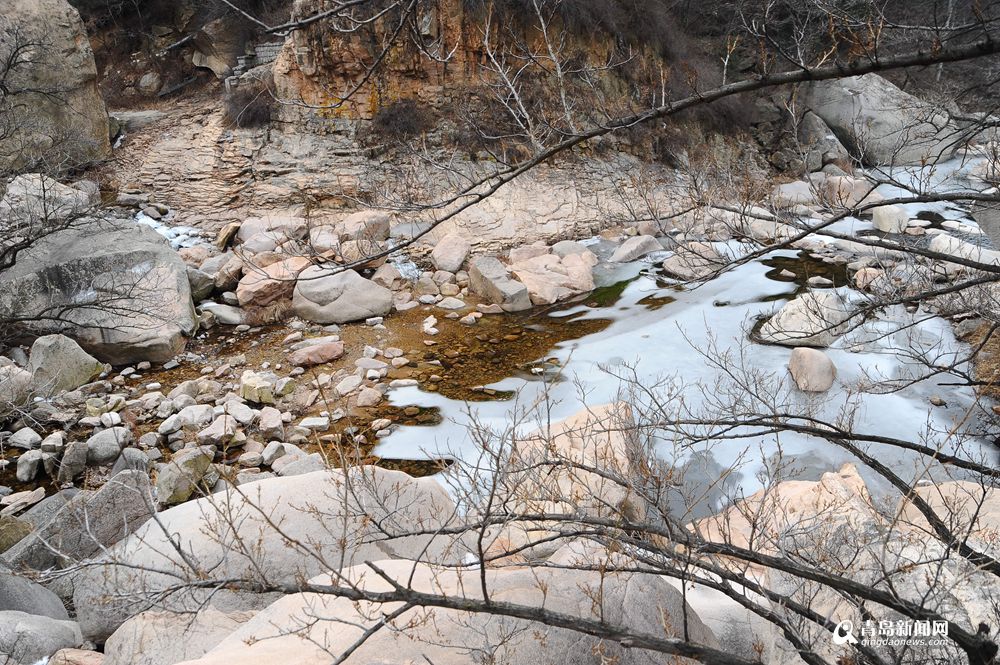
(262, 286)
(316, 354)
(811, 369)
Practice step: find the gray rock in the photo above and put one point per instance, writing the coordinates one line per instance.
(243, 414)
(53, 443)
(316, 423)
(58, 363)
(219, 433)
(73, 461)
(43, 511)
(227, 315)
(105, 446)
(29, 638)
(190, 417)
(322, 297)
(450, 252)
(23, 595)
(819, 143)
(177, 480)
(564, 248)
(488, 278)
(273, 451)
(152, 310)
(202, 284)
(25, 439)
(86, 524)
(250, 459)
(880, 123)
(131, 459)
(636, 247)
(27, 465)
(149, 83)
(349, 384)
(300, 465)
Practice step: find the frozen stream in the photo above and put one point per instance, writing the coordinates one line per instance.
(662, 341)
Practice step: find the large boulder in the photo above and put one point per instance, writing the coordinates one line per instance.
(277, 531)
(87, 523)
(816, 318)
(959, 502)
(52, 100)
(115, 287)
(23, 595)
(58, 363)
(819, 144)
(262, 286)
(450, 252)
(694, 260)
(845, 530)
(324, 296)
(488, 278)
(26, 639)
(635, 248)
(550, 278)
(370, 225)
(310, 628)
(151, 638)
(32, 199)
(601, 438)
(881, 124)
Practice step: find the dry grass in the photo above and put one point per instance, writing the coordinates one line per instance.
(986, 361)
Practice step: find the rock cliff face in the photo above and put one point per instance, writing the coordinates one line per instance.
(441, 67)
(55, 111)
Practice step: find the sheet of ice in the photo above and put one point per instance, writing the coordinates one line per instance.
(947, 177)
(177, 236)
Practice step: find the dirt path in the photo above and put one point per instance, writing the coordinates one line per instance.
(188, 160)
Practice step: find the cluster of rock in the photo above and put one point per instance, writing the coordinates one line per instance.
(222, 429)
(285, 538)
(536, 274)
(293, 265)
(275, 532)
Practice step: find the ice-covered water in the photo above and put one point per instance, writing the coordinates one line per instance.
(671, 340)
(177, 236)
